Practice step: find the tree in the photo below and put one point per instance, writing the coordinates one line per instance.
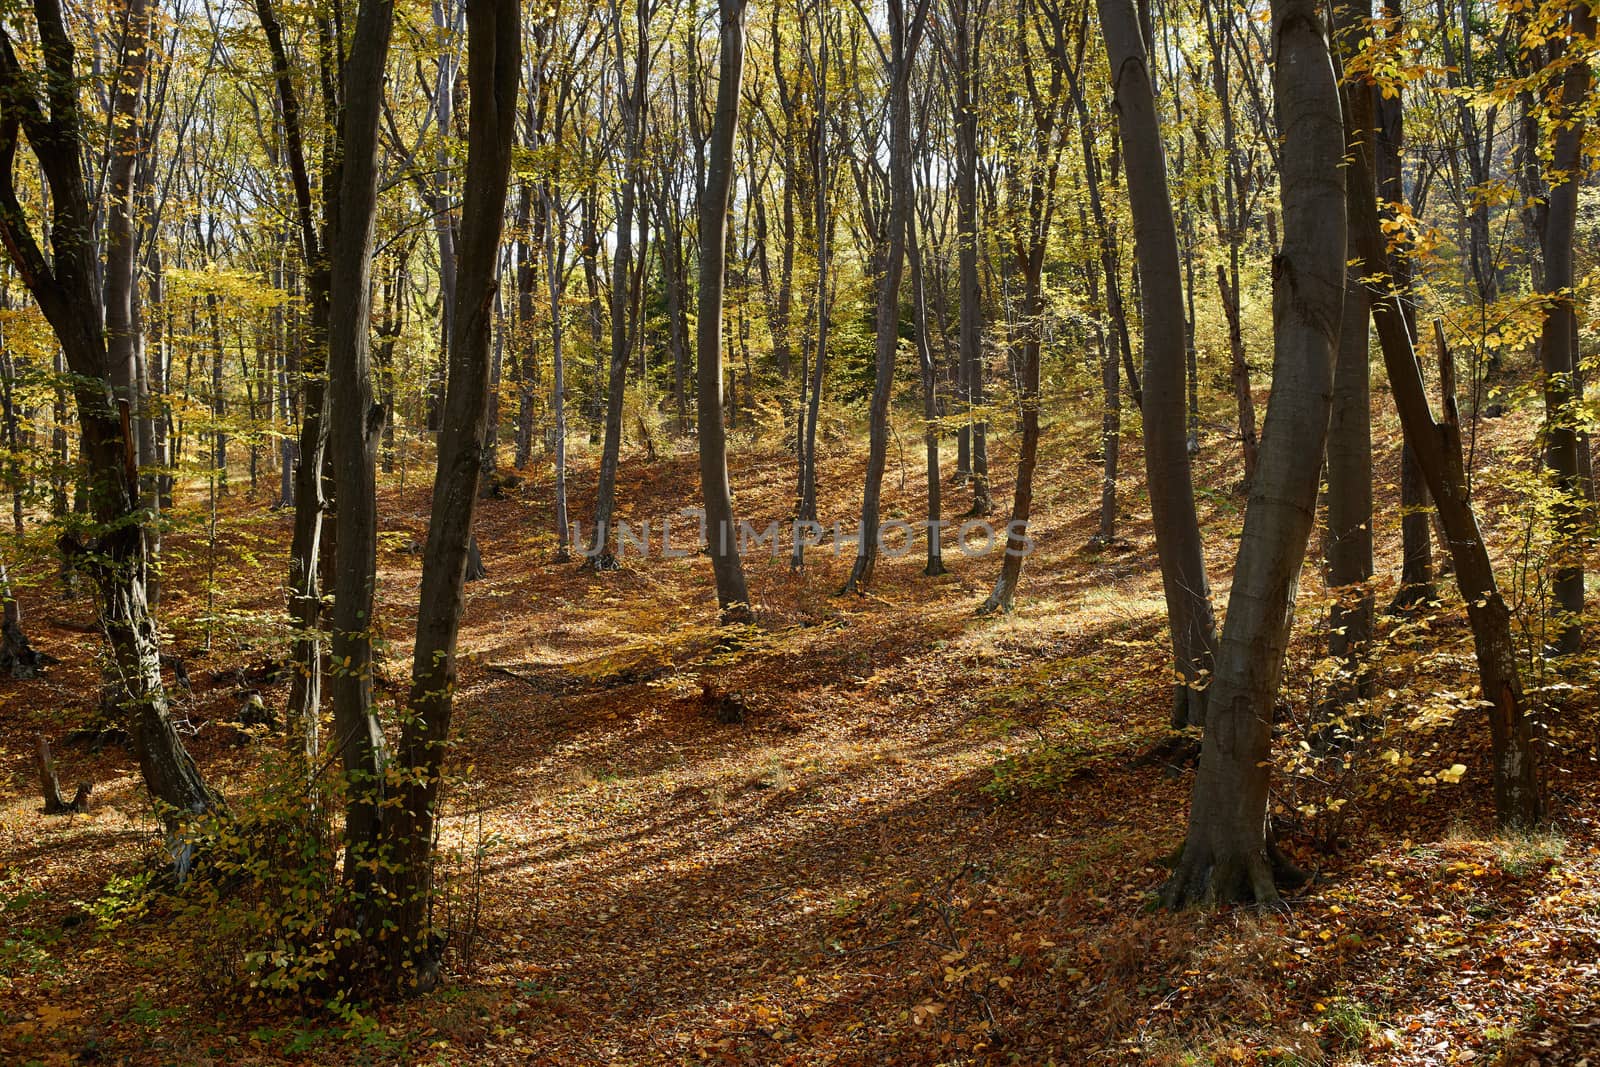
(1183, 573)
(1035, 164)
(905, 33)
(1348, 501)
(961, 48)
(356, 423)
(722, 532)
(494, 63)
(1227, 854)
(632, 85)
(307, 548)
(1436, 444)
(1558, 341)
(69, 289)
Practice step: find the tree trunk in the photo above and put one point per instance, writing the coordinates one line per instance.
(1226, 856)
(1558, 338)
(1437, 446)
(1172, 506)
(903, 39)
(493, 66)
(722, 532)
(965, 55)
(355, 424)
(1416, 552)
(1348, 544)
(67, 289)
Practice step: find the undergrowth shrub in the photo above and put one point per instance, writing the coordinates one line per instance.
(270, 911)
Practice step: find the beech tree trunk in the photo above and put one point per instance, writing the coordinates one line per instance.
(1416, 552)
(1166, 447)
(968, 17)
(355, 425)
(494, 62)
(1348, 500)
(930, 402)
(905, 31)
(1558, 338)
(632, 103)
(1437, 447)
(1227, 854)
(722, 531)
(310, 504)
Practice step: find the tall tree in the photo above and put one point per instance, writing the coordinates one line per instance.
(1348, 500)
(310, 502)
(355, 425)
(1436, 444)
(1227, 854)
(722, 532)
(632, 85)
(1558, 341)
(1172, 507)
(494, 62)
(69, 287)
(905, 26)
(1034, 167)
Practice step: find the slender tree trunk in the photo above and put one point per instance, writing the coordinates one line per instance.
(968, 19)
(494, 46)
(1172, 506)
(355, 425)
(599, 553)
(903, 38)
(1437, 446)
(1416, 552)
(1558, 338)
(722, 532)
(1348, 500)
(930, 400)
(67, 289)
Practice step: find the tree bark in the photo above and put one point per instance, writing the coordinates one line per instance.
(1348, 500)
(1172, 507)
(722, 532)
(1226, 855)
(494, 60)
(904, 35)
(1437, 446)
(1558, 337)
(632, 102)
(355, 425)
(67, 289)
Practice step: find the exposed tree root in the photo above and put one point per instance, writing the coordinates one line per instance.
(1214, 876)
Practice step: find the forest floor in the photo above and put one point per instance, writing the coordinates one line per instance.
(931, 840)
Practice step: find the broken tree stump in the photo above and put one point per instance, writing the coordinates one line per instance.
(50, 785)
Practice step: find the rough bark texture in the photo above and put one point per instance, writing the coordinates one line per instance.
(722, 531)
(1172, 507)
(1226, 856)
